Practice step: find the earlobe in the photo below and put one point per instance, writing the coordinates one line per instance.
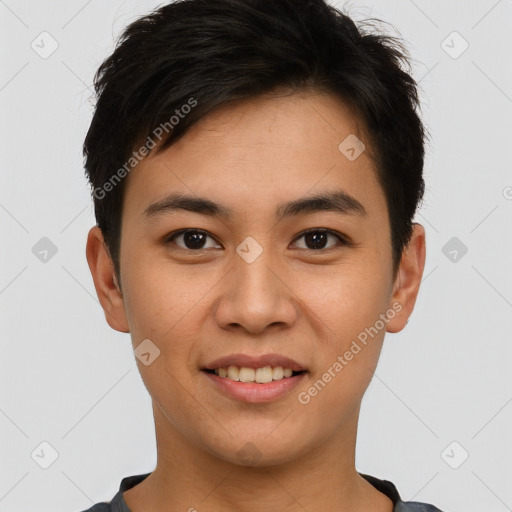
(105, 282)
(408, 280)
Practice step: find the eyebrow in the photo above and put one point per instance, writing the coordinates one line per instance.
(338, 201)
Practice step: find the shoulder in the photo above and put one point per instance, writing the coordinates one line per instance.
(389, 489)
(99, 507)
(415, 506)
(117, 503)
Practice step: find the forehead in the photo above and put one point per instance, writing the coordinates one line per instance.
(259, 153)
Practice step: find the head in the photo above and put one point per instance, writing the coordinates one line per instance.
(273, 119)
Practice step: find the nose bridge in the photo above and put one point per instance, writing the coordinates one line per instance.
(254, 277)
(257, 296)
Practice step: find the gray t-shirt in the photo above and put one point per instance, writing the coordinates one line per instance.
(118, 504)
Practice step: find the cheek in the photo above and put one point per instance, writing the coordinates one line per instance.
(165, 304)
(158, 295)
(345, 298)
(340, 380)
(349, 304)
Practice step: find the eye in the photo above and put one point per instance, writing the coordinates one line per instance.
(317, 238)
(192, 238)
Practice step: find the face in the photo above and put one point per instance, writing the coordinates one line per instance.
(257, 283)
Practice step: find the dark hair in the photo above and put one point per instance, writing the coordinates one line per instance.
(206, 53)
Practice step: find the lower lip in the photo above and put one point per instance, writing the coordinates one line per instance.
(253, 391)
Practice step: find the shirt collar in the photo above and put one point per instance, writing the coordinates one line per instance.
(119, 505)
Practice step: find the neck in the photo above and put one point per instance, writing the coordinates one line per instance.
(191, 479)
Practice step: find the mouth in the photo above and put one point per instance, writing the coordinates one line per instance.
(262, 375)
(255, 379)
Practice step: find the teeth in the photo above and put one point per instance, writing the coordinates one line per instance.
(260, 375)
(277, 373)
(264, 374)
(246, 374)
(233, 373)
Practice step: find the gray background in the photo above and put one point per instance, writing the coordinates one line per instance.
(442, 389)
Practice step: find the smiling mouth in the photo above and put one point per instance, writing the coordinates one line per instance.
(254, 375)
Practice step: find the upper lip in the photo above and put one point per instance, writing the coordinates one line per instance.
(258, 361)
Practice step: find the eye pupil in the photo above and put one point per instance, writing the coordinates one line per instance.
(195, 236)
(316, 238)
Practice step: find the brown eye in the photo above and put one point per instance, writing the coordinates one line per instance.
(316, 239)
(192, 239)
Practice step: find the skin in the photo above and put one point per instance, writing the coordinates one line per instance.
(305, 303)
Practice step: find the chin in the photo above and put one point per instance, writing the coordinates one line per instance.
(259, 450)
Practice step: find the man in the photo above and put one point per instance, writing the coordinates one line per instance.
(255, 168)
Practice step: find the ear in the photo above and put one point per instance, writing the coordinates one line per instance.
(408, 279)
(103, 274)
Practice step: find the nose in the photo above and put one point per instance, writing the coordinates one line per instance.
(257, 296)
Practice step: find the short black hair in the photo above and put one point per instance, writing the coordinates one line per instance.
(203, 54)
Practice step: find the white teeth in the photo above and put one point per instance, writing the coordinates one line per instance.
(277, 373)
(263, 374)
(233, 373)
(260, 375)
(247, 374)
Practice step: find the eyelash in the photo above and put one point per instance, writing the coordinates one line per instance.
(344, 241)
